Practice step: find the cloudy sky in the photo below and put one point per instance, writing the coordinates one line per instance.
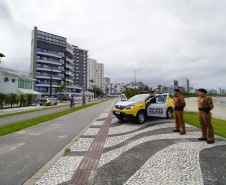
(160, 39)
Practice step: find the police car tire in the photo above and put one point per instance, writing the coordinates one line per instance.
(139, 116)
(120, 118)
(169, 113)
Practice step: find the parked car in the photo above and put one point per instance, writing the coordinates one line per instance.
(144, 105)
(47, 101)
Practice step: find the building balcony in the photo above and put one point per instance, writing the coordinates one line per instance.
(70, 67)
(70, 60)
(49, 61)
(40, 68)
(55, 77)
(49, 53)
(69, 73)
(46, 85)
(69, 80)
(70, 51)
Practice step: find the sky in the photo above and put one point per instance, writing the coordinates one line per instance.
(160, 39)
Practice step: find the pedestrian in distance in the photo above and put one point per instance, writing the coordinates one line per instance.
(179, 104)
(205, 105)
(72, 100)
(84, 100)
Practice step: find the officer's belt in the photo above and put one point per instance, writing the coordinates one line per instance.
(181, 108)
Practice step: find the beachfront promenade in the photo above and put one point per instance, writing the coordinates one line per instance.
(104, 150)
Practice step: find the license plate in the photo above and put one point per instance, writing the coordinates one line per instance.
(117, 112)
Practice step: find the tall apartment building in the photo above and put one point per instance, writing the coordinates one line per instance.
(218, 90)
(95, 72)
(54, 59)
(186, 85)
(174, 83)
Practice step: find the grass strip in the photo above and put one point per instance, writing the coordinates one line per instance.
(16, 113)
(219, 126)
(14, 127)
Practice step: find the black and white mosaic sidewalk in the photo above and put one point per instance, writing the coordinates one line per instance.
(145, 154)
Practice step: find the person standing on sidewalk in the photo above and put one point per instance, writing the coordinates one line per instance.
(205, 104)
(179, 104)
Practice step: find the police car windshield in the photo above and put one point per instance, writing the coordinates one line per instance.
(139, 98)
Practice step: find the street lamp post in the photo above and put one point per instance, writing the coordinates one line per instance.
(83, 93)
(51, 81)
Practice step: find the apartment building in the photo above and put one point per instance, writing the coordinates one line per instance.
(186, 85)
(95, 72)
(55, 61)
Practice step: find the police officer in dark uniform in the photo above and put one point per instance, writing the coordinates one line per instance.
(205, 104)
(179, 104)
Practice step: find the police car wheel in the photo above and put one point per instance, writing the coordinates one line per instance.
(120, 118)
(169, 113)
(140, 117)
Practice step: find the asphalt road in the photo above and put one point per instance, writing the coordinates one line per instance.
(23, 153)
(30, 115)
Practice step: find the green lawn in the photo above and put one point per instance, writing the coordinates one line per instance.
(219, 125)
(7, 129)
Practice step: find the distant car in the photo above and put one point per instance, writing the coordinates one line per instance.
(47, 101)
(67, 99)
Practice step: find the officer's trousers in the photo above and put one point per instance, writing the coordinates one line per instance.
(206, 126)
(179, 118)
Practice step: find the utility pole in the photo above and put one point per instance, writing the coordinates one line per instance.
(83, 94)
(51, 79)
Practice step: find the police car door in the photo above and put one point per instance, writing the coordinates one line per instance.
(157, 106)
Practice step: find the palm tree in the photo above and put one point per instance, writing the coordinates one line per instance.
(92, 81)
(23, 99)
(61, 88)
(12, 99)
(30, 98)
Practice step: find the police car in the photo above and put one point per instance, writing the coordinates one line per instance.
(144, 105)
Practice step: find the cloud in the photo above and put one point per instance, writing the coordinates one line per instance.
(161, 40)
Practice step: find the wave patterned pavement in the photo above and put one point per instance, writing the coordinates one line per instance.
(144, 154)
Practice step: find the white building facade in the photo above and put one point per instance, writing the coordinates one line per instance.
(95, 72)
(186, 85)
(116, 88)
(12, 82)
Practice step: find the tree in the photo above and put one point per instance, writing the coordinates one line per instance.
(129, 92)
(22, 99)
(146, 88)
(1, 55)
(12, 99)
(96, 90)
(30, 98)
(92, 81)
(61, 88)
(2, 99)
(164, 89)
(106, 90)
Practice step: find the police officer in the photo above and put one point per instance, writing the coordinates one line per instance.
(179, 104)
(205, 104)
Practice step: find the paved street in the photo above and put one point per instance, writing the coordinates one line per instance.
(22, 109)
(23, 153)
(139, 154)
(30, 115)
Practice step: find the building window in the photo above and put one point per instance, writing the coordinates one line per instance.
(13, 80)
(6, 79)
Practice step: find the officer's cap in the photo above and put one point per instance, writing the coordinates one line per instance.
(202, 90)
(177, 90)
